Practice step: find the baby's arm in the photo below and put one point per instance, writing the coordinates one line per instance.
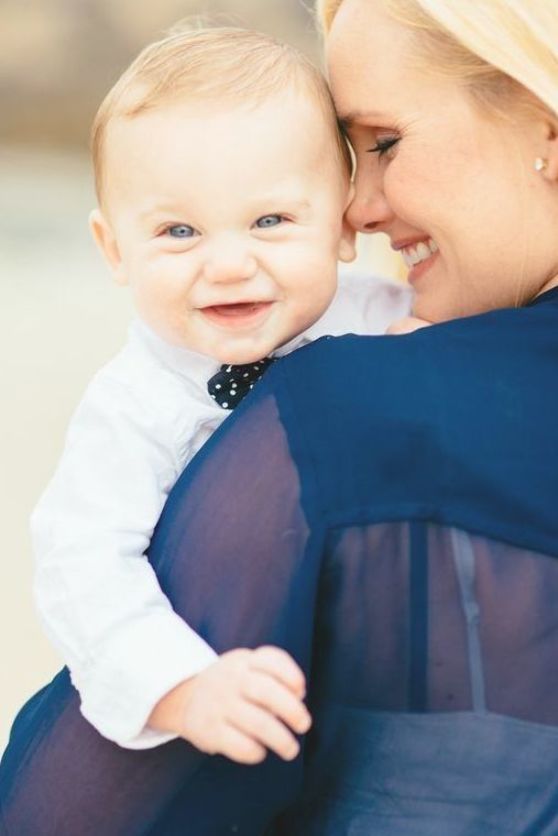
(98, 596)
(143, 675)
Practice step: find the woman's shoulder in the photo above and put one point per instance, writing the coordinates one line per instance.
(453, 416)
(509, 339)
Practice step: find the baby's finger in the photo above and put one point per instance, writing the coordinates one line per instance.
(268, 693)
(278, 663)
(264, 728)
(240, 747)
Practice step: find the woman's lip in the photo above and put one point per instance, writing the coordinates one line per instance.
(402, 243)
(236, 315)
(418, 270)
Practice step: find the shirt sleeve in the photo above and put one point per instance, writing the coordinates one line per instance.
(380, 301)
(364, 305)
(99, 598)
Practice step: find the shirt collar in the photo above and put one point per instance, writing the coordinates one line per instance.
(180, 360)
(296, 342)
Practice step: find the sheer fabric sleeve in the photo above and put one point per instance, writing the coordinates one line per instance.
(238, 557)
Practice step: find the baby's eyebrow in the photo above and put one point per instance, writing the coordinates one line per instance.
(283, 198)
(156, 209)
(300, 204)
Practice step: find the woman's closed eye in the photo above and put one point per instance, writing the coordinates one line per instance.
(383, 145)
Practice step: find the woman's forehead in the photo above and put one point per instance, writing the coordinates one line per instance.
(362, 21)
(367, 55)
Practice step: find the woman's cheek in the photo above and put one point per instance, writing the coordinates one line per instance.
(401, 188)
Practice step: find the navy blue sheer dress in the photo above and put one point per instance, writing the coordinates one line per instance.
(386, 509)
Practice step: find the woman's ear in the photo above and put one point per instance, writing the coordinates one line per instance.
(106, 242)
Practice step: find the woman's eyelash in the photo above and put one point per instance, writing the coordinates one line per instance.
(383, 145)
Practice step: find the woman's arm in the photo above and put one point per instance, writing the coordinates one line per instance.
(235, 553)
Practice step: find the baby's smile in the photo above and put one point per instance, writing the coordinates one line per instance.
(238, 314)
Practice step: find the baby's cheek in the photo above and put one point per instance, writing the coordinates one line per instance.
(308, 271)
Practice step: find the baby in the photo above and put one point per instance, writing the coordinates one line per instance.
(222, 181)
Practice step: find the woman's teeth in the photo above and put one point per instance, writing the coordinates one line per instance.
(419, 252)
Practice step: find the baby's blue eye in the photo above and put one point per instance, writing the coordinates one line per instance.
(181, 231)
(268, 221)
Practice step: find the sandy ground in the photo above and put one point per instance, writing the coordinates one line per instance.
(61, 318)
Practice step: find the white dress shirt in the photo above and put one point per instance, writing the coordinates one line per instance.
(142, 419)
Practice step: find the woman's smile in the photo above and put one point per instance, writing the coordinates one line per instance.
(418, 255)
(414, 254)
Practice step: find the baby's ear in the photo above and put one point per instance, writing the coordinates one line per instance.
(105, 239)
(347, 243)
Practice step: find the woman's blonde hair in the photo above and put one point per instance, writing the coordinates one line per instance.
(491, 45)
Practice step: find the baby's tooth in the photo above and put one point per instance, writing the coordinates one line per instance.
(433, 246)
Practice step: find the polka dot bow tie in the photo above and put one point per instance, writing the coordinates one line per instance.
(232, 383)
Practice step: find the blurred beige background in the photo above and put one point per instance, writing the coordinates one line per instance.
(60, 316)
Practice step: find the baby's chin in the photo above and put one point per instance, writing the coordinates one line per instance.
(241, 358)
(251, 352)
(235, 351)
(240, 352)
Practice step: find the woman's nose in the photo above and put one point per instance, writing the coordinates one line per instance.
(229, 262)
(368, 211)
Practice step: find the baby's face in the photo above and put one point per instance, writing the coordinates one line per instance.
(226, 223)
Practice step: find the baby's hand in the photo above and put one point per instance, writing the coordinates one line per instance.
(407, 325)
(245, 703)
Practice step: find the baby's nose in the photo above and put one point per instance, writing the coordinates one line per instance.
(229, 262)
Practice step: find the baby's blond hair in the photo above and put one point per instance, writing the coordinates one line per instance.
(225, 64)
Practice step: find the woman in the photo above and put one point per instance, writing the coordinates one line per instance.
(396, 529)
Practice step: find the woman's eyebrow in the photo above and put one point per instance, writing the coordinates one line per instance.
(349, 119)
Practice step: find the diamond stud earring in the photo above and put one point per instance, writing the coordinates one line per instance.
(540, 164)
